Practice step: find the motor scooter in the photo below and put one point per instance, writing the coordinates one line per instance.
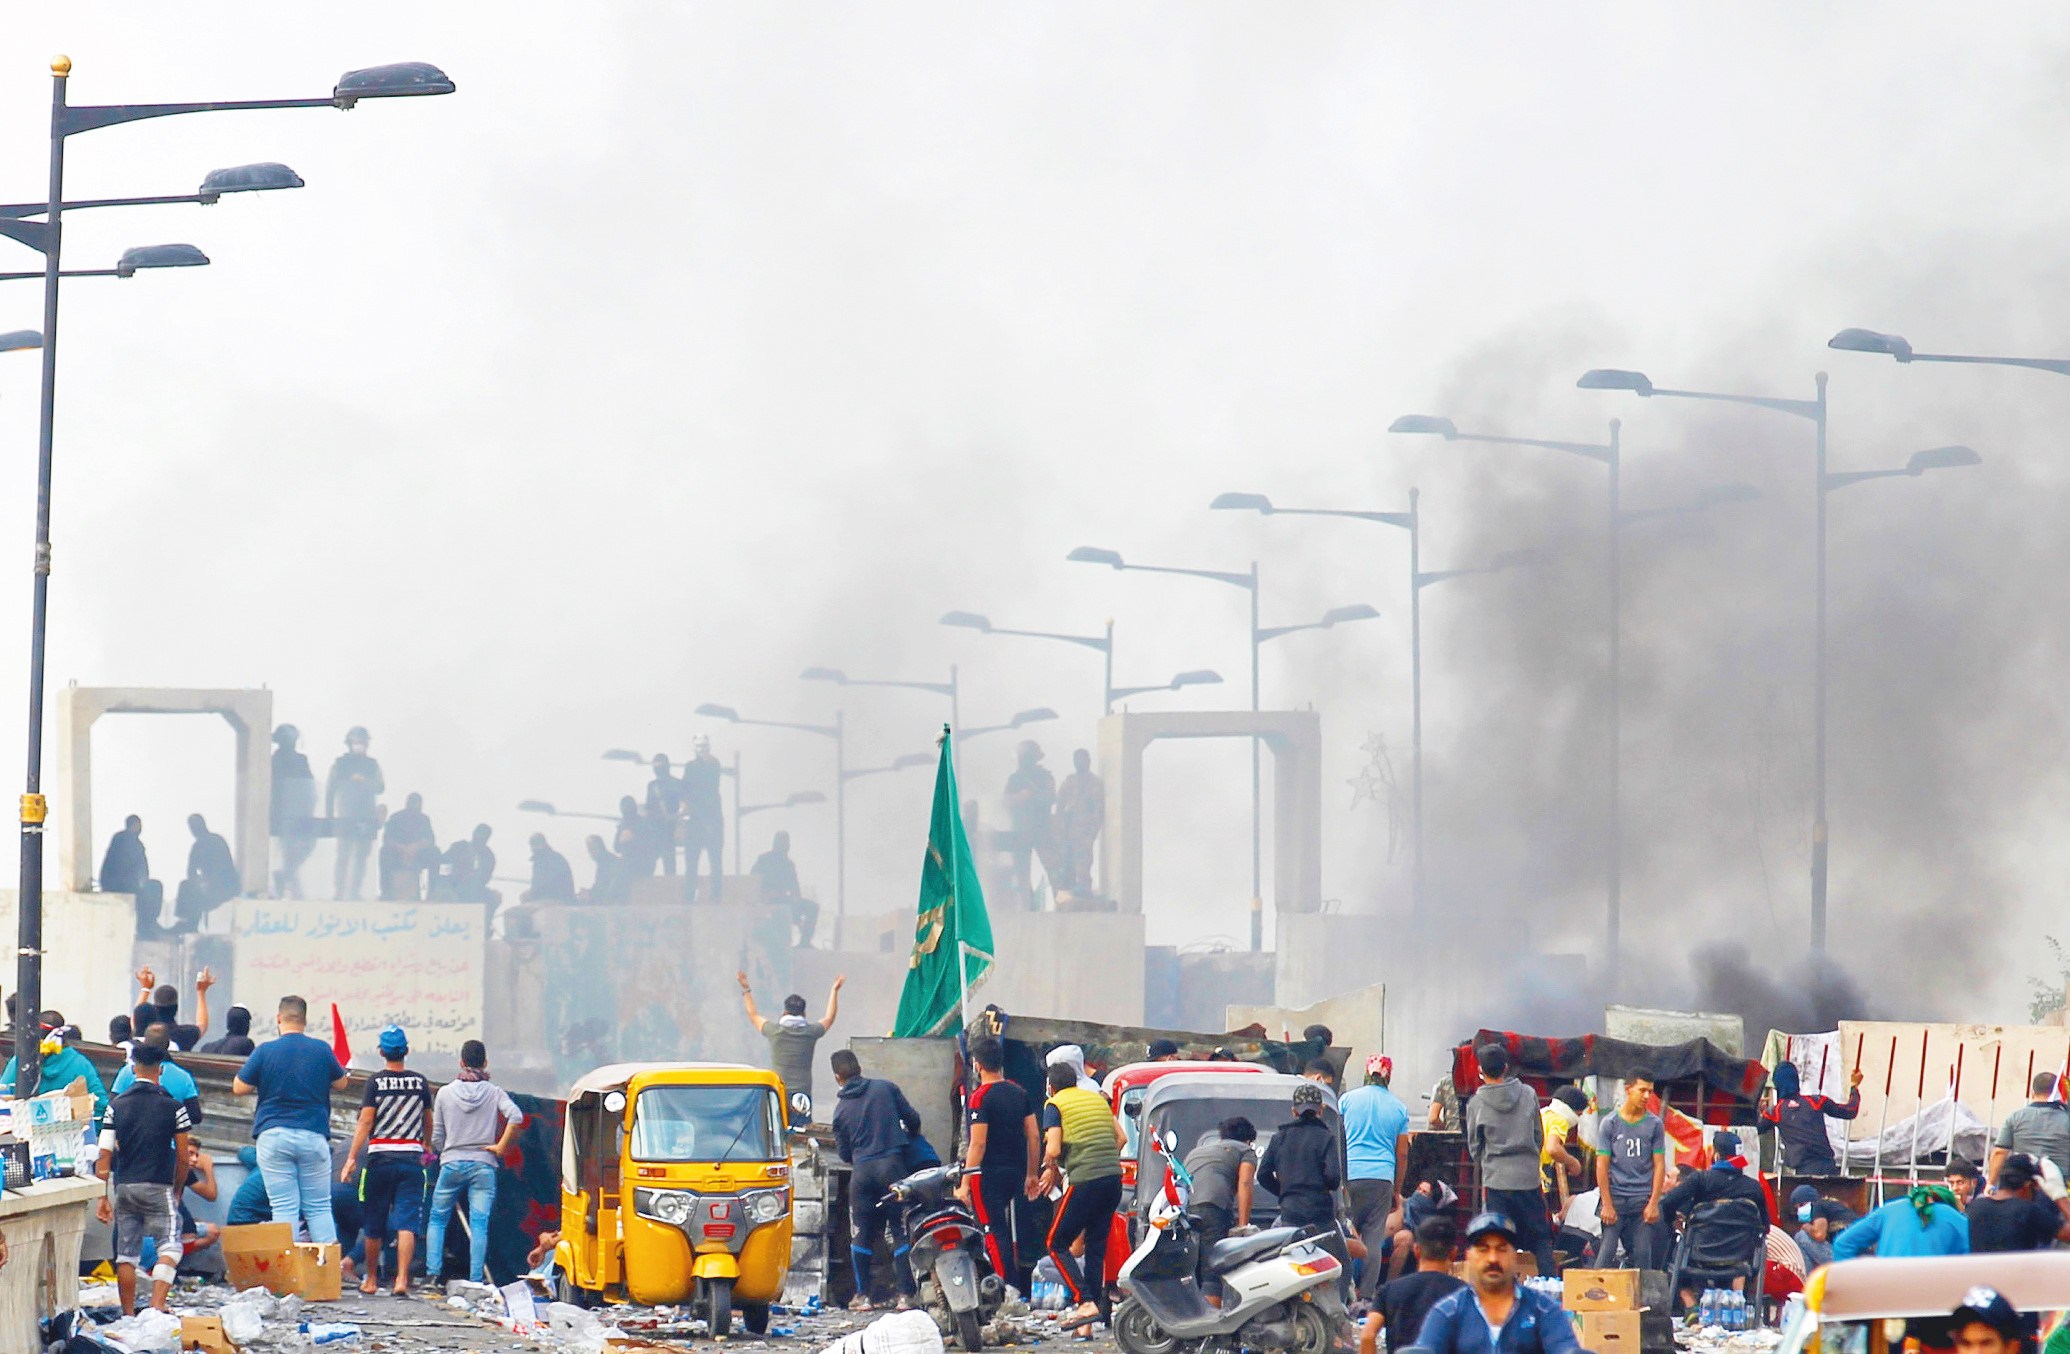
(948, 1255)
(1280, 1287)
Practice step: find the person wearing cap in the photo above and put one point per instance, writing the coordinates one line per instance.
(1162, 1051)
(1924, 1222)
(1301, 1166)
(1376, 1142)
(394, 1129)
(1496, 1315)
(1986, 1323)
(1815, 1227)
(350, 801)
(2011, 1218)
(1726, 1178)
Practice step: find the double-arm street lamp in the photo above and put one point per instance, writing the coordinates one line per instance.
(46, 236)
(1410, 521)
(1813, 410)
(971, 620)
(840, 678)
(835, 731)
(1091, 554)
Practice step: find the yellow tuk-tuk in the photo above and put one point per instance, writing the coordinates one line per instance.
(676, 1187)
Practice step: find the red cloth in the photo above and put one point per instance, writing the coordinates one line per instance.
(340, 1045)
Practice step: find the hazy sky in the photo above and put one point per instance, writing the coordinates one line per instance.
(688, 346)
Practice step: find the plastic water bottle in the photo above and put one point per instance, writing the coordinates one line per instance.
(1707, 1308)
(329, 1332)
(1735, 1311)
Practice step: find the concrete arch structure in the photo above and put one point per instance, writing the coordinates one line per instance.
(249, 713)
(1295, 739)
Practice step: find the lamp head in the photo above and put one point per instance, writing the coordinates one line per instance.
(623, 755)
(1941, 458)
(257, 178)
(1424, 423)
(16, 340)
(1243, 502)
(834, 675)
(403, 79)
(719, 712)
(159, 256)
(1869, 341)
(1610, 378)
(1092, 554)
(1038, 715)
(968, 620)
(1197, 677)
(534, 806)
(1357, 611)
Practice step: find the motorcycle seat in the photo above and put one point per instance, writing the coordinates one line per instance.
(1230, 1252)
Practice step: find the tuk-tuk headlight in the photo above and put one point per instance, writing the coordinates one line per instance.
(766, 1205)
(673, 1207)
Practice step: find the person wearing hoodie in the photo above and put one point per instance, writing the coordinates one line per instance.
(1631, 1173)
(62, 1065)
(1507, 1138)
(1799, 1121)
(874, 1124)
(1073, 1057)
(473, 1124)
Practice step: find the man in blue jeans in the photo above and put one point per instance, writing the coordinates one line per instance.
(473, 1124)
(293, 1077)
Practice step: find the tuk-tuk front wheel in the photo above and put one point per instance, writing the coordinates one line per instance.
(755, 1316)
(716, 1304)
(575, 1295)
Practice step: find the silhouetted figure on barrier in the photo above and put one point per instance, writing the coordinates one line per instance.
(780, 887)
(291, 816)
(351, 800)
(482, 869)
(1081, 813)
(1030, 794)
(665, 802)
(125, 869)
(611, 884)
(704, 821)
(553, 880)
(409, 852)
(633, 840)
(212, 877)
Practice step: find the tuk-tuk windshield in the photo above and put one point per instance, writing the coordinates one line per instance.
(706, 1123)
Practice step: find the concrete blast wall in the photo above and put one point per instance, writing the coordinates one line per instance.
(86, 968)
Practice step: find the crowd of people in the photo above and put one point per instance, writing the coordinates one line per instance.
(414, 1159)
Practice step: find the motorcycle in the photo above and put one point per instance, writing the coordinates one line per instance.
(1281, 1288)
(957, 1283)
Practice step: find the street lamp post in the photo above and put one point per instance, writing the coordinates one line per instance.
(970, 620)
(1869, 341)
(1605, 378)
(1607, 455)
(46, 236)
(1040, 715)
(840, 678)
(1196, 677)
(1090, 554)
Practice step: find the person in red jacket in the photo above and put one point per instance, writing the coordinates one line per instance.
(1800, 1121)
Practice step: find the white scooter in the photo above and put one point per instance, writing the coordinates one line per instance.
(1280, 1287)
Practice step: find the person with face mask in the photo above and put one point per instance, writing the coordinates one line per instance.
(1799, 1121)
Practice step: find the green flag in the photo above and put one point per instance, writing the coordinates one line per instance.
(952, 923)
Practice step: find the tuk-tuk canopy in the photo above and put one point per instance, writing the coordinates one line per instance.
(1923, 1286)
(617, 1076)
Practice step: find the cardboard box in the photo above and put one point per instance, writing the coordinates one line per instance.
(1600, 1290)
(205, 1333)
(1608, 1332)
(261, 1255)
(317, 1271)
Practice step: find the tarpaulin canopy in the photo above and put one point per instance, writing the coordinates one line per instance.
(1593, 1055)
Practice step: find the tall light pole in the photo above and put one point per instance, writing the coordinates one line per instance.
(840, 678)
(970, 620)
(46, 236)
(836, 732)
(1606, 454)
(1412, 522)
(1092, 554)
(1606, 378)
